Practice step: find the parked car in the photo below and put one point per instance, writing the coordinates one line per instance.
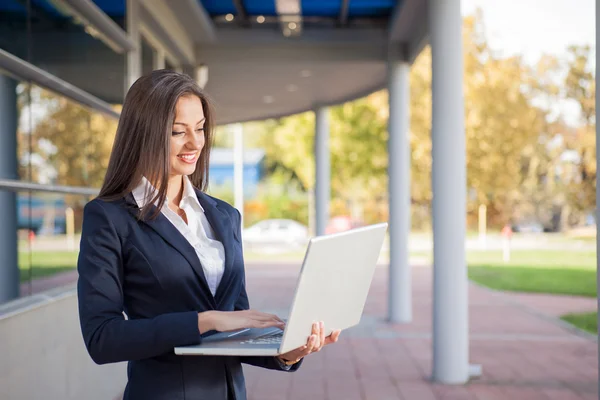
(275, 235)
(528, 227)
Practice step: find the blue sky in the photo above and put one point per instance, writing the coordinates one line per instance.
(532, 28)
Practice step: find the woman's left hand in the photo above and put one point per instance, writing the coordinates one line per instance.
(315, 343)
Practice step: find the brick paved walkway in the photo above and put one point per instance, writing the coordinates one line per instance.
(524, 351)
(40, 285)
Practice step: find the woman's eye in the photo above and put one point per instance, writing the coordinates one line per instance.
(178, 133)
(200, 130)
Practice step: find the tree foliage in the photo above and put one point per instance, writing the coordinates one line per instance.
(523, 160)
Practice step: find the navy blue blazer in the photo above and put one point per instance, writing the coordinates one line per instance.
(150, 271)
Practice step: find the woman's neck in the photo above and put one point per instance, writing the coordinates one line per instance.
(175, 189)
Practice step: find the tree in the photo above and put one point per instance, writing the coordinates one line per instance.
(580, 86)
(500, 123)
(82, 139)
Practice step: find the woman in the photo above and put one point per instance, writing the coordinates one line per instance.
(156, 247)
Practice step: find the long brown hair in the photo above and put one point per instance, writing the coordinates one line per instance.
(142, 143)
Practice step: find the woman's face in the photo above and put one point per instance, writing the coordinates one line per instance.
(187, 137)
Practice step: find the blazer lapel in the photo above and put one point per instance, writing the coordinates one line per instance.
(171, 235)
(223, 226)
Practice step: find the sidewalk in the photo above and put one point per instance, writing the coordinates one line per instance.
(525, 352)
(42, 284)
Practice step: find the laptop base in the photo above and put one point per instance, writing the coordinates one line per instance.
(238, 343)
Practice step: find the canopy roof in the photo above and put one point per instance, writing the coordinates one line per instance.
(265, 58)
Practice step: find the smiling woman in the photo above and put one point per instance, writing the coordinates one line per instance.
(156, 247)
(142, 147)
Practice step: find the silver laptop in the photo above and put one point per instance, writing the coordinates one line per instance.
(332, 287)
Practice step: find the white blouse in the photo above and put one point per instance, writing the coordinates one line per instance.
(197, 231)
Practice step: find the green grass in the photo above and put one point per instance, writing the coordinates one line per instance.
(586, 321)
(552, 272)
(536, 258)
(46, 263)
(536, 280)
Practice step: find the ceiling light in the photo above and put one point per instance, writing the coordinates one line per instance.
(291, 88)
(229, 17)
(305, 73)
(292, 25)
(268, 99)
(260, 19)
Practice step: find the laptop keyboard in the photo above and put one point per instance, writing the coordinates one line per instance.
(270, 338)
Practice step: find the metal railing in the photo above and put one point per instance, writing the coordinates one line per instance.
(21, 69)
(20, 186)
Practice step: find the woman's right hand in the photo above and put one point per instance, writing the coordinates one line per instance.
(224, 321)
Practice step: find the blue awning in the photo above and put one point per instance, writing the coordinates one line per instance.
(310, 8)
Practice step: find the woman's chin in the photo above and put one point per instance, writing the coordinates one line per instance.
(183, 170)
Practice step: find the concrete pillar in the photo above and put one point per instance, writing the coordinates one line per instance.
(399, 293)
(9, 269)
(450, 305)
(322, 169)
(158, 59)
(134, 57)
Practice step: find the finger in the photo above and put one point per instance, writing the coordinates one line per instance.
(303, 351)
(277, 318)
(254, 314)
(318, 336)
(302, 354)
(317, 345)
(296, 353)
(314, 343)
(262, 317)
(266, 324)
(335, 335)
(309, 343)
(266, 317)
(322, 338)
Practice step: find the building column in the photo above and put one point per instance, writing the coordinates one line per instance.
(158, 59)
(400, 283)
(322, 169)
(450, 305)
(134, 57)
(9, 269)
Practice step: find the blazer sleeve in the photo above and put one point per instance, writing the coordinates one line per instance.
(108, 336)
(243, 303)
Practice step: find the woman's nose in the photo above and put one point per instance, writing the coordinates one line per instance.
(198, 139)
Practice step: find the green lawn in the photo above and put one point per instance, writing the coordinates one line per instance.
(586, 321)
(46, 263)
(552, 272)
